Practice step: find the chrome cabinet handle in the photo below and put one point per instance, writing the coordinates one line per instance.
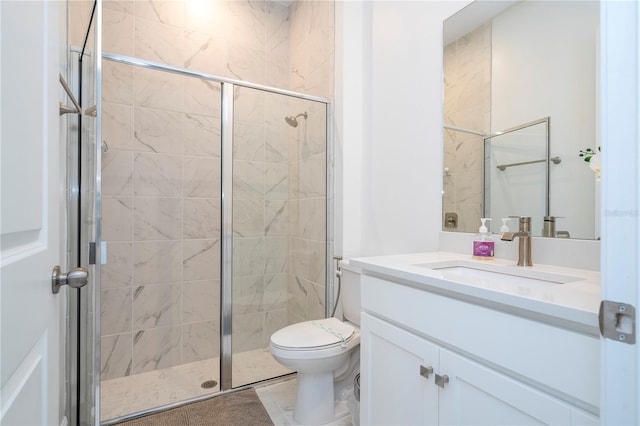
(426, 371)
(76, 278)
(442, 380)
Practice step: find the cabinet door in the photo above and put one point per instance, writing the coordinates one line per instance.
(393, 392)
(477, 395)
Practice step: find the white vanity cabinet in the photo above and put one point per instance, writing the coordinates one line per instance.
(432, 359)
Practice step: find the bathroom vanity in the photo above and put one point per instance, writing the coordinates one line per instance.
(448, 340)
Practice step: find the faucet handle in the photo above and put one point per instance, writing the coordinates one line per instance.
(525, 224)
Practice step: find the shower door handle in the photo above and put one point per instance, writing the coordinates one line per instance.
(76, 278)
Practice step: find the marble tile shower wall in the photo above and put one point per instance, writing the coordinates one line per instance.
(161, 208)
(467, 74)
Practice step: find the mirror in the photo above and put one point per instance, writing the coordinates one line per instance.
(508, 64)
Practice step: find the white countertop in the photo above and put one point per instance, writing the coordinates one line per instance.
(572, 304)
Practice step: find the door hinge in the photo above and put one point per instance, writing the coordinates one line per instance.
(617, 321)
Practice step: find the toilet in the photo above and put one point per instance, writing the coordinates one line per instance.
(325, 353)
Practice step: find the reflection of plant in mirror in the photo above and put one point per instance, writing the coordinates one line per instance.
(593, 158)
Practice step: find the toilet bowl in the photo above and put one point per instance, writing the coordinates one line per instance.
(325, 353)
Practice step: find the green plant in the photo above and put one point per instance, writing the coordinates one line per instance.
(588, 154)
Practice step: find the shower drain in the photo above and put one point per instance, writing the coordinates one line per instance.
(209, 384)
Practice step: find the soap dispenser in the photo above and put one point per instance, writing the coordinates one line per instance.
(483, 244)
(505, 227)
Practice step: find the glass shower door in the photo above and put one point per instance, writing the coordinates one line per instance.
(279, 224)
(160, 296)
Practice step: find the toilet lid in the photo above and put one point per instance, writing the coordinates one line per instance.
(310, 334)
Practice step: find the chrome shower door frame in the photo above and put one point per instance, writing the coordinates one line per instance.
(226, 253)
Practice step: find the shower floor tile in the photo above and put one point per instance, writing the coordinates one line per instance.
(132, 394)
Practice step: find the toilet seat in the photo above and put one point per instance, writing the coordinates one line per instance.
(313, 335)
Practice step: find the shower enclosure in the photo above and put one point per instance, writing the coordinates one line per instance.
(214, 211)
(213, 195)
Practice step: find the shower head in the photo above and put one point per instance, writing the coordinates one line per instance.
(293, 121)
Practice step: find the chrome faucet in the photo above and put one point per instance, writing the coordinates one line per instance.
(524, 247)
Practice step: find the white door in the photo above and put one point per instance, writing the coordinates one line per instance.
(31, 213)
(620, 251)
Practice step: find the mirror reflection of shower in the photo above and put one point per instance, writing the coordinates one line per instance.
(293, 121)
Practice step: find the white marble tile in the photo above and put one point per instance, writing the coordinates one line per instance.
(315, 302)
(201, 260)
(276, 181)
(246, 23)
(200, 341)
(248, 218)
(157, 306)
(276, 144)
(201, 97)
(117, 32)
(170, 12)
(276, 70)
(117, 172)
(125, 6)
(298, 289)
(117, 83)
(275, 296)
(276, 218)
(312, 222)
(276, 252)
(156, 348)
(117, 126)
(201, 218)
(249, 105)
(273, 321)
(248, 256)
(247, 331)
(157, 89)
(207, 17)
(118, 271)
(255, 365)
(248, 141)
(157, 218)
(115, 356)
(248, 180)
(201, 177)
(131, 394)
(159, 42)
(125, 395)
(158, 131)
(115, 311)
(308, 259)
(247, 294)
(117, 218)
(157, 262)
(205, 53)
(157, 174)
(201, 301)
(201, 135)
(313, 172)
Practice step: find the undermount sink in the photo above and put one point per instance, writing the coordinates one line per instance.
(478, 272)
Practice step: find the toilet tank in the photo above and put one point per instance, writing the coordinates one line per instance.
(350, 292)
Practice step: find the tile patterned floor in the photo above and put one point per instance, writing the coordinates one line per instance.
(280, 398)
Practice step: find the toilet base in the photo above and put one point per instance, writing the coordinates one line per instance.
(314, 401)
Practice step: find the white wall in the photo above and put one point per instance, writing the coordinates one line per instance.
(389, 125)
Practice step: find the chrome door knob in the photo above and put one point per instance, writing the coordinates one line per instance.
(76, 278)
